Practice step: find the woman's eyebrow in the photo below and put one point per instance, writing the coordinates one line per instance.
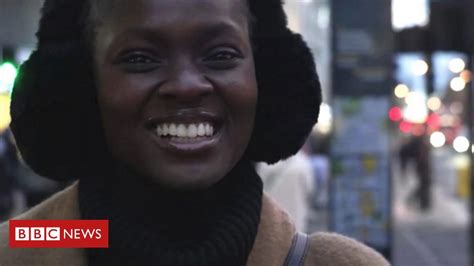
(202, 32)
(213, 30)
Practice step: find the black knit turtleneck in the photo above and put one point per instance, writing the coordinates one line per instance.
(154, 226)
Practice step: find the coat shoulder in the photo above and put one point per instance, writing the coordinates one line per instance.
(61, 206)
(337, 250)
(274, 236)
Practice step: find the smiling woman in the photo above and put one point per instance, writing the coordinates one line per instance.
(158, 108)
(159, 69)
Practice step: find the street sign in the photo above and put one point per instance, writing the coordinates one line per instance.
(361, 76)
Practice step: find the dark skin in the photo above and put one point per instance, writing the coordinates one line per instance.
(186, 63)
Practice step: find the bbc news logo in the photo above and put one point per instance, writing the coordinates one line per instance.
(59, 233)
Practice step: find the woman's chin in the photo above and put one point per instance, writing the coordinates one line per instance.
(186, 181)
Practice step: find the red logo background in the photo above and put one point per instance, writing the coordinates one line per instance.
(69, 226)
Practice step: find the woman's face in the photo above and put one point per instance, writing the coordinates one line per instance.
(176, 88)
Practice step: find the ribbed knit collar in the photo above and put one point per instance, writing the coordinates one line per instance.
(153, 226)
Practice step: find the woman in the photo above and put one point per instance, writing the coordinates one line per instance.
(159, 108)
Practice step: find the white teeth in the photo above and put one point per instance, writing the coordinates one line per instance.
(192, 131)
(209, 130)
(173, 130)
(166, 130)
(183, 131)
(201, 130)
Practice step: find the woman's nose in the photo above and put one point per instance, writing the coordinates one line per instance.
(185, 83)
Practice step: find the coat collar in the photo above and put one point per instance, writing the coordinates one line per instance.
(274, 237)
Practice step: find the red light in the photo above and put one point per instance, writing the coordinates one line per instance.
(395, 114)
(405, 127)
(433, 121)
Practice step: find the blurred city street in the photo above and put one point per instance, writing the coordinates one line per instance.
(436, 237)
(396, 121)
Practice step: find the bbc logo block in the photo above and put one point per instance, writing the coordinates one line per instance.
(37, 233)
(59, 233)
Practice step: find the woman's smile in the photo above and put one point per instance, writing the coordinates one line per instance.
(186, 132)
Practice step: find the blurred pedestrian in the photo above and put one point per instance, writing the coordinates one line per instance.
(320, 164)
(8, 174)
(405, 154)
(417, 150)
(34, 187)
(291, 183)
(152, 105)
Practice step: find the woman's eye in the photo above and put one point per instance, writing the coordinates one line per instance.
(223, 55)
(138, 62)
(139, 59)
(223, 59)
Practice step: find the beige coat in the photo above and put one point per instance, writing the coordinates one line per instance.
(271, 246)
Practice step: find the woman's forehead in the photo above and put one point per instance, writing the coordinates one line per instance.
(174, 17)
(119, 8)
(152, 13)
